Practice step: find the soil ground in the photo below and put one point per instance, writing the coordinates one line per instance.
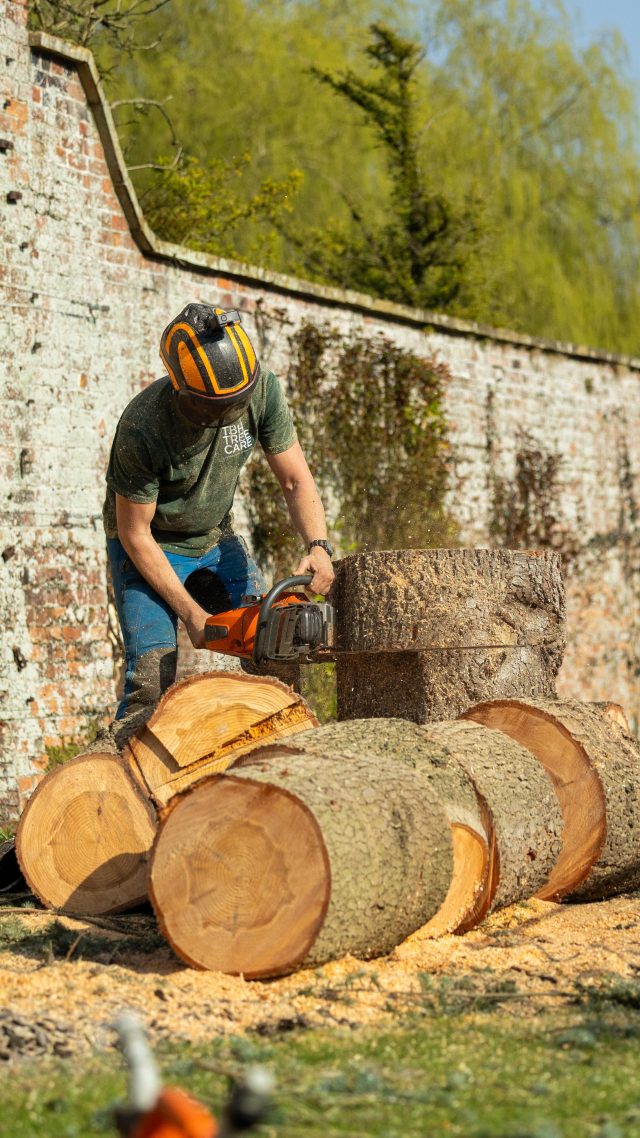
(74, 976)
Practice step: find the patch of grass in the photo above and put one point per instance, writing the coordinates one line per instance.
(478, 1076)
(60, 753)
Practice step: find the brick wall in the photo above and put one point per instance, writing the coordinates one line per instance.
(86, 289)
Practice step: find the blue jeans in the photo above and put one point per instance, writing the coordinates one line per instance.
(149, 626)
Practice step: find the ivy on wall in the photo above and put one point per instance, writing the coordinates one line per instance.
(371, 423)
(526, 512)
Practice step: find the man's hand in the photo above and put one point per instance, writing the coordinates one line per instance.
(318, 562)
(194, 624)
(134, 530)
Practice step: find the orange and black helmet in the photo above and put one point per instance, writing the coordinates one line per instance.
(209, 356)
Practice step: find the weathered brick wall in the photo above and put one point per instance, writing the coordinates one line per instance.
(86, 291)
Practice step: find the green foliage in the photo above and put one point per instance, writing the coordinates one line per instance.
(525, 508)
(370, 421)
(508, 153)
(59, 753)
(83, 21)
(203, 206)
(418, 251)
(319, 689)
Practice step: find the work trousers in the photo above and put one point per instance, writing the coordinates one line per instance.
(219, 579)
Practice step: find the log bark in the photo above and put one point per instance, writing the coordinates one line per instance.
(400, 741)
(203, 722)
(411, 599)
(439, 684)
(84, 837)
(292, 860)
(424, 634)
(595, 767)
(526, 821)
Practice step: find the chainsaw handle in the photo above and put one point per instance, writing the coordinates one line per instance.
(265, 608)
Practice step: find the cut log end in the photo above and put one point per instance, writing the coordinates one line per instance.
(466, 902)
(84, 838)
(204, 722)
(575, 780)
(252, 893)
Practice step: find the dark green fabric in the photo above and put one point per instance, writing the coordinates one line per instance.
(191, 472)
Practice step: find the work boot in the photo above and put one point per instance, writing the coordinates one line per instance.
(155, 672)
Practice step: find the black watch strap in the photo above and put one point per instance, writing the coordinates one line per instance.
(326, 545)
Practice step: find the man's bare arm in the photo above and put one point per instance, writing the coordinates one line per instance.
(134, 530)
(306, 512)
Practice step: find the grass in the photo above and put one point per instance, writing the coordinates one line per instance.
(472, 1075)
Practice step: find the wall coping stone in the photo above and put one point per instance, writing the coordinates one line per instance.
(185, 258)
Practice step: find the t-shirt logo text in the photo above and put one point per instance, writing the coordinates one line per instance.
(235, 439)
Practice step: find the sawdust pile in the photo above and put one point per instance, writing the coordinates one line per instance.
(79, 975)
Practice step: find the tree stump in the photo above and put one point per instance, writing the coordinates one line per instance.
(595, 767)
(423, 634)
(84, 837)
(203, 722)
(291, 860)
(398, 740)
(525, 818)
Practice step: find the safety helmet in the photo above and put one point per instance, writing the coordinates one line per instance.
(209, 356)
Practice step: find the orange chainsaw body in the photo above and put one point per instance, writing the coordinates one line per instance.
(234, 632)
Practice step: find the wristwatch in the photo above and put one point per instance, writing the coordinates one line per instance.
(326, 545)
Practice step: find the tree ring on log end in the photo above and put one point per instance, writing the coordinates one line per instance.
(576, 782)
(240, 878)
(84, 837)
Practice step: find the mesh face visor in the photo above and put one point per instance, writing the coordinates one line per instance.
(203, 411)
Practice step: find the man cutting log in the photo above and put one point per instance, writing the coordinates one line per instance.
(178, 451)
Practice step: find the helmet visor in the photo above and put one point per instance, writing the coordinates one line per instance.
(203, 411)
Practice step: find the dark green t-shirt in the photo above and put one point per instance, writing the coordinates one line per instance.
(190, 472)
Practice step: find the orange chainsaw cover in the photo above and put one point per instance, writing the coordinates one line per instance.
(176, 1115)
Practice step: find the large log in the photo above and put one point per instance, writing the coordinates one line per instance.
(400, 741)
(84, 837)
(424, 634)
(526, 821)
(595, 766)
(293, 860)
(406, 600)
(438, 684)
(203, 722)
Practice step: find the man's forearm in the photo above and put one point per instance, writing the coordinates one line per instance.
(152, 564)
(306, 511)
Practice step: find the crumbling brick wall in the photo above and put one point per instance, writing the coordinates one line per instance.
(86, 290)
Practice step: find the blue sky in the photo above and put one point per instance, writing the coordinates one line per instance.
(595, 17)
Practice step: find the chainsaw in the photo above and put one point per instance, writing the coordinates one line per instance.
(281, 625)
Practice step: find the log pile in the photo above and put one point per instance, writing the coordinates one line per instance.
(84, 837)
(455, 782)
